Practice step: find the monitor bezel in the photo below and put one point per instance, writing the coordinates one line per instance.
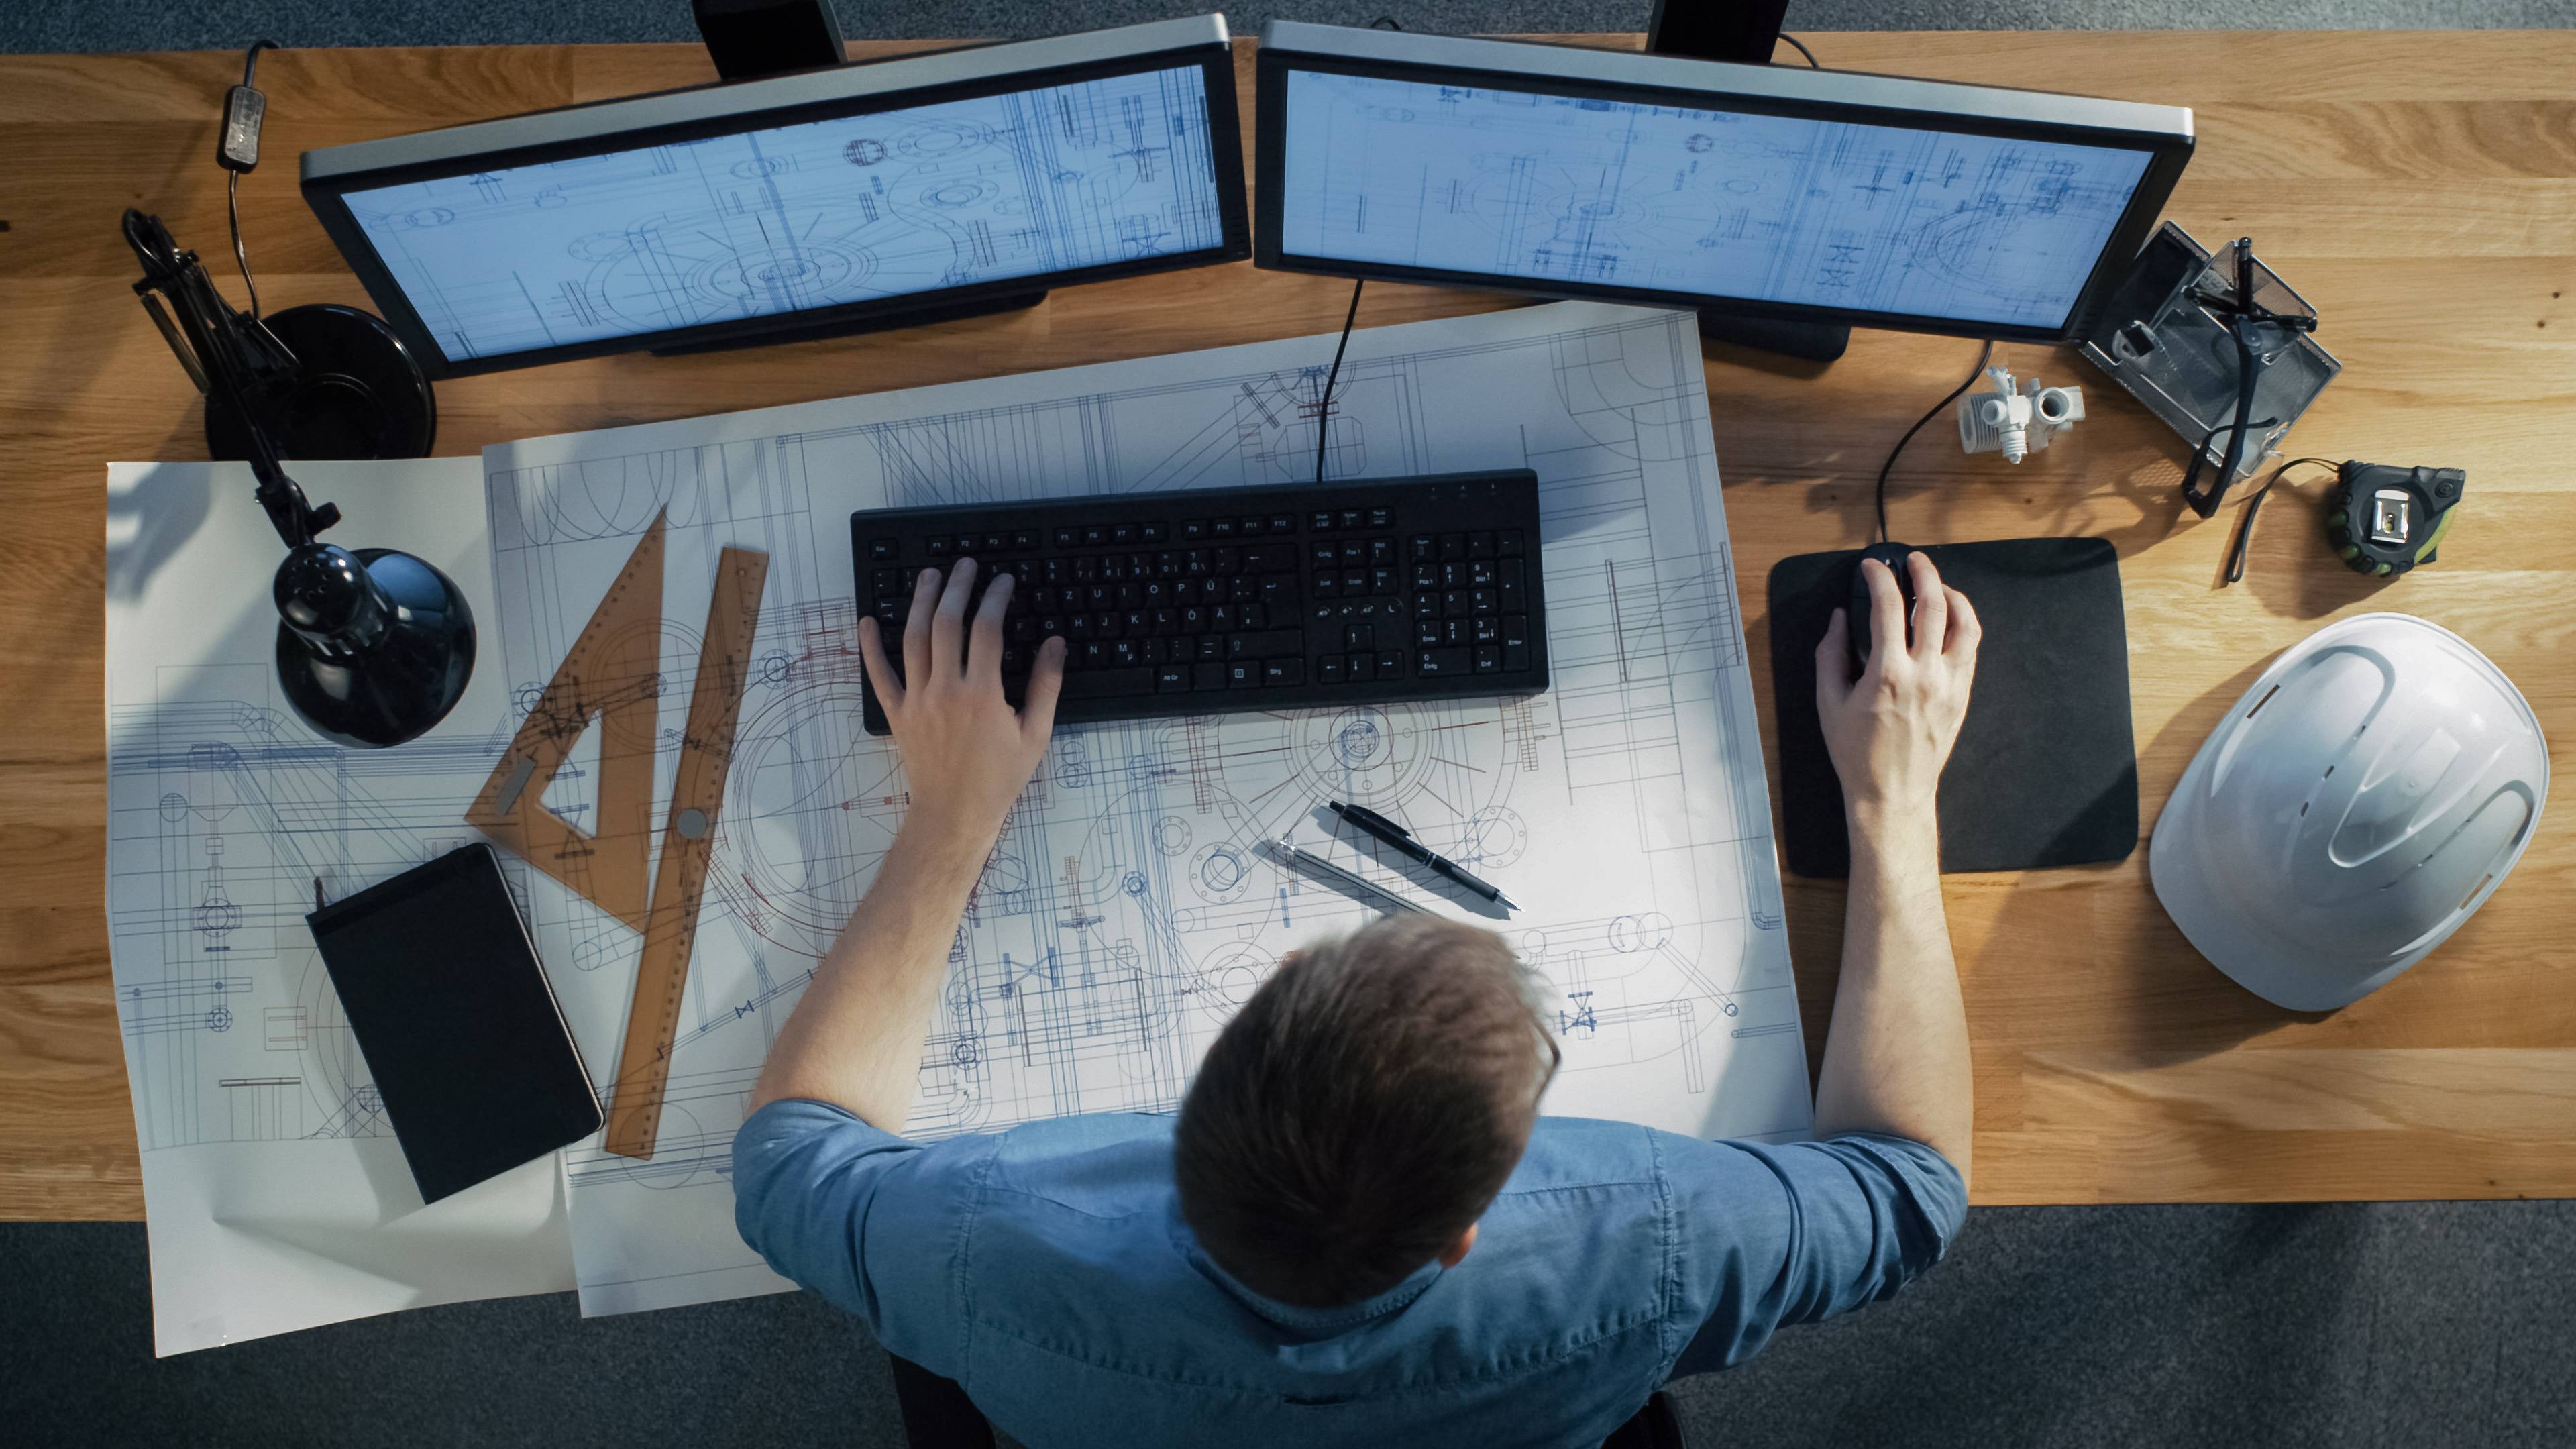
(327, 194)
(2167, 153)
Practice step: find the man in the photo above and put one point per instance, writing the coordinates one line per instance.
(1358, 1230)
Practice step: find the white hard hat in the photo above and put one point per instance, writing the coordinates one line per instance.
(2370, 790)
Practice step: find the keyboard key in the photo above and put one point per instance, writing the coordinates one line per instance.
(1226, 561)
(1453, 546)
(1489, 658)
(1210, 648)
(1243, 674)
(1222, 528)
(1441, 663)
(1126, 654)
(1324, 555)
(1384, 581)
(1096, 683)
(1194, 530)
(1279, 591)
(1487, 629)
(1481, 574)
(1024, 539)
(1271, 644)
(1282, 524)
(1480, 544)
(935, 547)
(1426, 632)
(1381, 550)
(1207, 674)
(1067, 537)
(1252, 527)
(1390, 664)
(1354, 551)
(1328, 669)
(1360, 636)
(1269, 558)
(1453, 603)
(1510, 543)
(1328, 583)
(1425, 548)
(1123, 534)
(1095, 535)
(881, 550)
(1276, 672)
(1480, 601)
(1350, 518)
(1172, 679)
(1516, 658)
(1157, 650)
(1361, 666)
(1515, 629)
(1381, 518)
(1321, 521)
(1153, 532)
(1090, 654)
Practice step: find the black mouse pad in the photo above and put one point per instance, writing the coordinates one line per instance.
(2046, 770)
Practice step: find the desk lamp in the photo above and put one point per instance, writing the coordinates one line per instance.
(373, 646)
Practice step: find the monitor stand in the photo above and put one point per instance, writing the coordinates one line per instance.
(1746, 32)
(755, 39)
(882, 322)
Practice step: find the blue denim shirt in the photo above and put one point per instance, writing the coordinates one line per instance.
(1048, 1270)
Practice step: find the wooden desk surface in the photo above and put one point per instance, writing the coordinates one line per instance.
(2421, 189)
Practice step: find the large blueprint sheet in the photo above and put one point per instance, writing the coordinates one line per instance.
(275, 1195)
(1126, 913)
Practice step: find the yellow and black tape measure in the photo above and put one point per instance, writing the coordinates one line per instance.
(2384, 520)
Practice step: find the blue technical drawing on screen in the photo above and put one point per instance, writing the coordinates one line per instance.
(1718, 203)
(794, 217)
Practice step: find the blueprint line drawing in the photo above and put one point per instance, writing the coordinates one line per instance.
(1722, 203)
(817, 214)
(1125, 912)
(276, 1195)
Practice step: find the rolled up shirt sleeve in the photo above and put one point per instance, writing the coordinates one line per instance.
(1771, 1236)
(869, 1220)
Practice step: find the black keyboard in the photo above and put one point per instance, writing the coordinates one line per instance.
(1293, 596)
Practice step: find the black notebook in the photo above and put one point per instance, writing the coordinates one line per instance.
(2046, 769)
(473, 1064)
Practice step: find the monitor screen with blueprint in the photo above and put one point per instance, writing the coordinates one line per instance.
(1756, 191)
(892, 191)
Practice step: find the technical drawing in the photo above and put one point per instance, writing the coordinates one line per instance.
(811, 215)
(1779, 208)
(1125, 913)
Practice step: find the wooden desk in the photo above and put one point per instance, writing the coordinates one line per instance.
(2421, 189)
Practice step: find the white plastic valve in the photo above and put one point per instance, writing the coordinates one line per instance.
(2017, 422)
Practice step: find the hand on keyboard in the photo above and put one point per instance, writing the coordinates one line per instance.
(966, 753)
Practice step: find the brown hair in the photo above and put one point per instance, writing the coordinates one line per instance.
(1362, 1110)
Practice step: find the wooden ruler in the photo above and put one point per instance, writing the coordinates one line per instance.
(611, 673)
(688, 850)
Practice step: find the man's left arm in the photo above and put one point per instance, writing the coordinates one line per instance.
(855, 1039)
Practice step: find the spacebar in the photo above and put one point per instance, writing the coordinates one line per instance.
(1094, 683)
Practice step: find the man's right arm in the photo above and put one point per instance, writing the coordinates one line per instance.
(1896, 1055)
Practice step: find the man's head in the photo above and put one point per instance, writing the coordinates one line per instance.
(1356, 1117)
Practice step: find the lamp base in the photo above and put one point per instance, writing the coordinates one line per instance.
(357, 393)
(402, 680)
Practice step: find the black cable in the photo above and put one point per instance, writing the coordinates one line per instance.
(2254, 505)
(1324, 406)
(1974, 373)
(232, 183)
(1802, 49)
(232, 204)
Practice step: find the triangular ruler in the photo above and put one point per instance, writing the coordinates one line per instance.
(612, 672)
(688, 851)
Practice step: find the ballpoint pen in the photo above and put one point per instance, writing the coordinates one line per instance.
(1308, 860)
(1381, 828)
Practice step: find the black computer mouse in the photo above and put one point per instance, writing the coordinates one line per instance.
(1893, 555)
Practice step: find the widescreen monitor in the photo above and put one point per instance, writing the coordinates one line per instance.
(1766, 191)
(727, 212)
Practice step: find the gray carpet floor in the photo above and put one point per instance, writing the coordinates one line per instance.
(2352, 1325)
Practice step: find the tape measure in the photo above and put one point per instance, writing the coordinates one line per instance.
(2384, 520)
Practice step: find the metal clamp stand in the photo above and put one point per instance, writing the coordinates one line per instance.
(1745, 32)
(756, 39)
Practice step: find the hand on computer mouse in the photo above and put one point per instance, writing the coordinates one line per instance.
(1890, 725)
